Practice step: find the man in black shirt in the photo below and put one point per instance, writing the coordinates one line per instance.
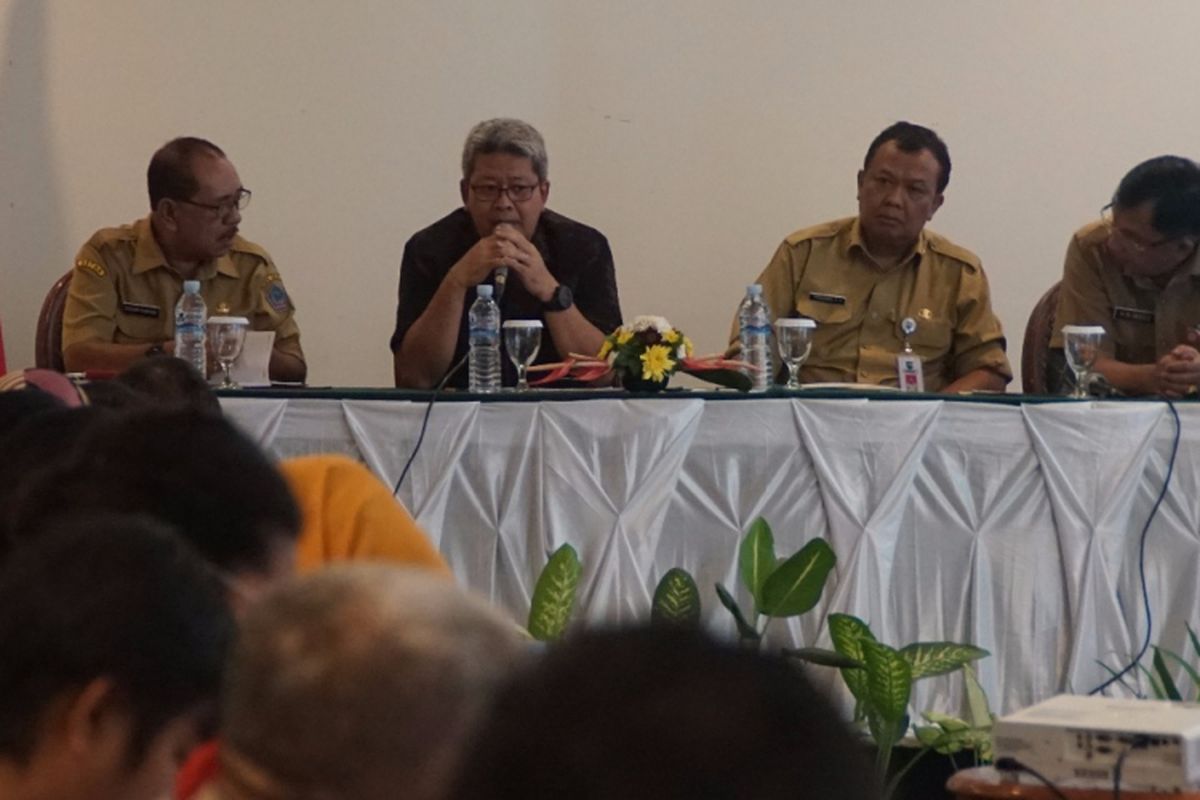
(544, 265)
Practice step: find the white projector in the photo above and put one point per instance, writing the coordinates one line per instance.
(1076, 741)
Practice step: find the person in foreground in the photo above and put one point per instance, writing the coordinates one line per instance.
(126, 280)
(662, 713)
(113, 637)
(1136, 273)
(544, 266)
(865, 279)
(359, 682)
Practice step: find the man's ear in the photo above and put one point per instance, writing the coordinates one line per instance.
(937, 203)
(91, 716)
(167, 212)
(544, 189)
(463, 188)
(862, 173)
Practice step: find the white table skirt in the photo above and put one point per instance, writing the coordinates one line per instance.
(1013, 527)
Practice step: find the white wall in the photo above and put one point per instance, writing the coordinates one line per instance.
(695, 133)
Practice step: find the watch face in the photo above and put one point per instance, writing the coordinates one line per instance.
(562, 299)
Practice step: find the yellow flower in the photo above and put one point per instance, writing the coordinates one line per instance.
(687, 346)
(656, 363)
(623, 336)
(671, 336)
(605, 349)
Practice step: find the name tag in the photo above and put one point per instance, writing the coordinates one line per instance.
(832, 299)
(1133, 314)
(140, 309)
(909, 373)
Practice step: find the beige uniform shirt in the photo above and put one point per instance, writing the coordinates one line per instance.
(1143, 321)
(123, 291)
(824, 273)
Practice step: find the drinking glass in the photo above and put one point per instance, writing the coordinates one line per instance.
(1081, 344)
(794, 337)
(226, 335)
(522, 340)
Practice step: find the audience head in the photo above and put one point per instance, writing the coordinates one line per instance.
(900, 187)
(505, 175)
(196, 199)
(1154, 219)
(193, 471)
(113, 634)
(22, 404)
(170, 383)
(358, 682)
(662, 713)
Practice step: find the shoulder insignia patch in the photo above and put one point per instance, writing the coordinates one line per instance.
(91, 266)
(277, 297)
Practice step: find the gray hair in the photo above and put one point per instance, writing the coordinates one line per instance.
(360, 681)
(506, 135)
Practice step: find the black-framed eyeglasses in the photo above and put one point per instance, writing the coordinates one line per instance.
(1138, 246)
(238, 201)
(517, 192)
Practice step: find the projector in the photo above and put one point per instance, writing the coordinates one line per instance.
(1076, 741)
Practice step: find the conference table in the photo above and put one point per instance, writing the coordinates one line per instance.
(1013, 523)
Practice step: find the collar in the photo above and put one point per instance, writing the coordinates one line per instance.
(148, 255)
(854, 240)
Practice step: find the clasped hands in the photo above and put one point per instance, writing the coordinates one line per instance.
(507, 247)
(1177, 374)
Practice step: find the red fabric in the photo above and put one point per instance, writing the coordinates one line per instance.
(3, 368)
(198, 771)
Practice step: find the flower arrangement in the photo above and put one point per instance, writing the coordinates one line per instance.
(646, 352)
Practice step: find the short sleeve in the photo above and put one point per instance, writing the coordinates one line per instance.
(90, 313)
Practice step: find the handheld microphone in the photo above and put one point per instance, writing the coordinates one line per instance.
(500, 278)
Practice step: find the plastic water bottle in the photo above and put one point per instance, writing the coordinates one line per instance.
(754, 323)
(483, 323)
(190, 316)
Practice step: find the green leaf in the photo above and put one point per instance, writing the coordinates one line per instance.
(885, 732)
(1156, 687)
(554, 595)
(938, 658)
(1192, 636)
(979, 711)
(756, 558)
(795, 586)
(676, 600)
(823, 657)
(1188, 668)
(746, 631)
(889, 680)
(946, 722)
(1168, 683)
(848, 633)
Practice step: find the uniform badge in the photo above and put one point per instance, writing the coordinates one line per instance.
(92, 267)
(832, 299)
(277, 297)
(140, 309)
(924, 314)
(1133, 314)
(222, 310)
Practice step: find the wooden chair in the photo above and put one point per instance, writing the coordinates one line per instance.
(1036, 350)
(48, 347)
(3, 366)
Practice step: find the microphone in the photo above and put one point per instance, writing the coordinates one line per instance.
(500, 278)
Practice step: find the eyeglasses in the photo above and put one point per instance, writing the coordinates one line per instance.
(1138, 246)
(239, 201)
(517, 192)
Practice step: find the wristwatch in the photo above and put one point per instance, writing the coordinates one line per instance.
(562, 299)
(154, 350)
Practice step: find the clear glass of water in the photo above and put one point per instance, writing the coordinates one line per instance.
(226, 336)
(794, 337)
(1081, 345)
(522, 340)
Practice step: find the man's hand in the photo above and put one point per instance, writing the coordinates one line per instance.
(526, 262)
(1177, 374)
(479, 262)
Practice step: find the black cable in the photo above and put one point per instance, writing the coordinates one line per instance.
(425, 422)
(1012, 765)
(1139, 743)
(1142, 557)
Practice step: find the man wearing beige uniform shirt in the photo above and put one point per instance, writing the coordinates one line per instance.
(1136, 272)
(127, 280)
(862, 277)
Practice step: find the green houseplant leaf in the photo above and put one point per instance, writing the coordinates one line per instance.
(889, 680)
(676, 600)
(848, 633)
(1170, 690)
(979, 711)
(554, 595)
(823, 657)
(938, 658)
(1192, 672)
(746, 631)
(756, 559)
(795, 585)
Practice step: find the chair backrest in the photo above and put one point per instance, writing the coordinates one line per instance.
(1036, 349)
(48, 347)
(3, 366)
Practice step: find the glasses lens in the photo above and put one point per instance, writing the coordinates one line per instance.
(520, 192)
(243, 199)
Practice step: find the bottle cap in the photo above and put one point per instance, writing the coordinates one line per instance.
(483, 290)
(754, 289)
(191, 287)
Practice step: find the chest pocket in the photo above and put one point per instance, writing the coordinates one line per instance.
(823, 313)
(134, 327)
(932, 338)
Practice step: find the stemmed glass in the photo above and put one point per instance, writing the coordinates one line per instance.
(1081, 344)
(794, 337)
(226, 335)
(522, 340)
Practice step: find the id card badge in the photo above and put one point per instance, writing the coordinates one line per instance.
(908, 364)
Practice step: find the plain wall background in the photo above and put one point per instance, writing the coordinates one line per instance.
(696, 134)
